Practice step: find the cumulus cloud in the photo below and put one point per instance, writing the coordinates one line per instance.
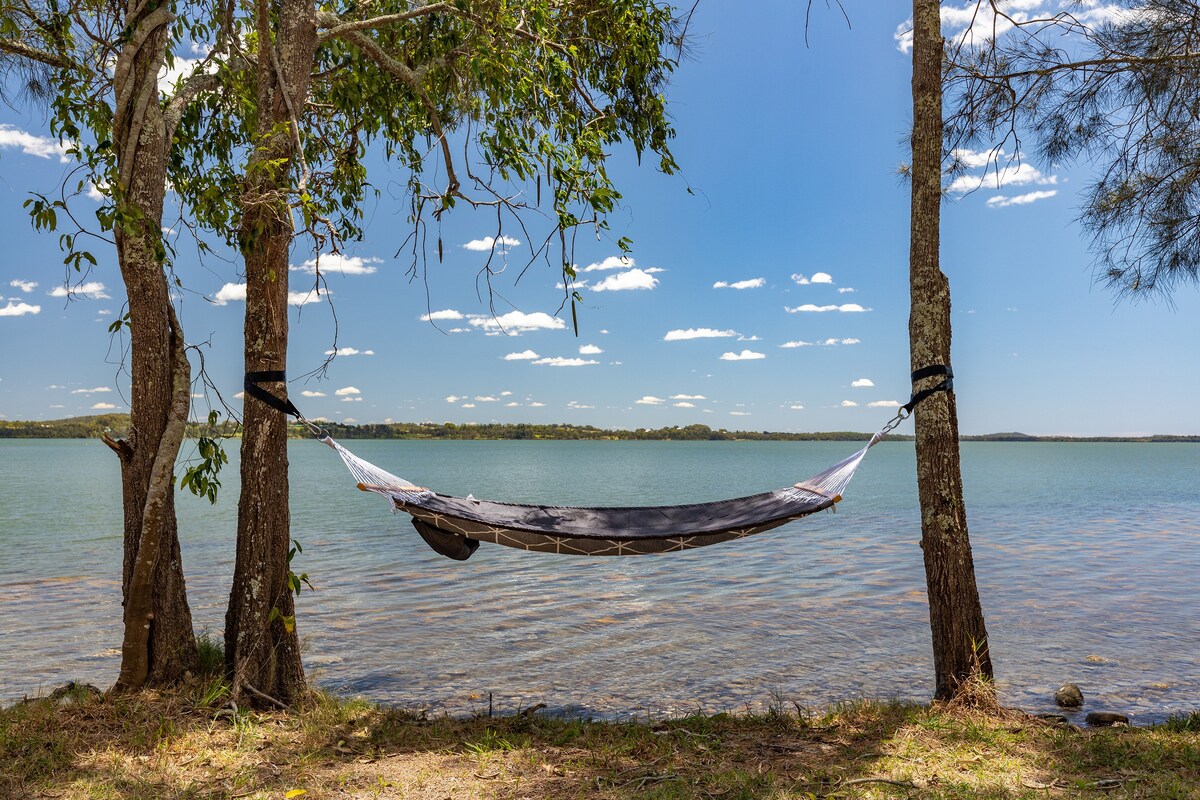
(697, 333)
(487, 243)
(536, 404)
(884, 404)
(513, 404)
(468, 405)
(817, 277)
(93, 290)
(517, 322)
(559, 361)
(1009, 175)
(688, 397)
(453, 398)
(30, 145)
(349, 351)
(797, 343)
(355, 399)
(486, 398)
(15, 309)
(446, 313)
(848, 404)
(1000, 201)
(612, 262)
(745, 355)
(752, 283)
(862, 383)
(625, 281)
(796, 407)
(103, 406)
(845, 308)
(576, 404)
(846, 290)
(524, 355)
(650, 400)
(24, 286)
(506, 394)
(336, 262)
(590, 350)
(684, 404)
(304, 298)
(347, 390)
(229, 292)
(97, 390)
(311, 393)
(739, 413)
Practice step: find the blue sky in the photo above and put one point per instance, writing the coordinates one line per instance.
(775, 297)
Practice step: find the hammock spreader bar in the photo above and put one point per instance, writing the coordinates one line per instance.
(454, 526)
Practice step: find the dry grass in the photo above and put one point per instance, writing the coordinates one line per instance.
(182, 745)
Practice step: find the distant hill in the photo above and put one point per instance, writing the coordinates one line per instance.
(118, 425)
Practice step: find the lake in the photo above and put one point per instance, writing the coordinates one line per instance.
(1086, 556)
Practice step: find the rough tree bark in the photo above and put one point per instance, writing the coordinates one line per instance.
(955, 615)
(159, 643)
(262, 649)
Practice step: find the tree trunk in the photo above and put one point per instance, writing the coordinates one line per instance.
(955, 615)
(159, 644)
(262, 650)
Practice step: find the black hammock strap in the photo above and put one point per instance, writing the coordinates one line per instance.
(251, 385)
(930, 372)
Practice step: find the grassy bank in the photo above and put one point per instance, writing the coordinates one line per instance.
(186, 745)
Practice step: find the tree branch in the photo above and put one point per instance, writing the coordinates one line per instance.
(34, 54)
(336, 27)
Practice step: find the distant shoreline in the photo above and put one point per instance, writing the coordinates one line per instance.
(91, 427)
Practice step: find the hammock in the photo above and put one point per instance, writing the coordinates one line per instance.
(454, 526)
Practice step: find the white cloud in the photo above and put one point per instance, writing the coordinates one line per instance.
(488, 242)
(336, 262)
(513, 404)
(446, 313)
(517, 322)
(688, 397)
(796, 407)
(506, 394)
(486, 398)
(845, 341)
(352, 399)
(239, 395)
(817, 277)
(536, 404)
(524, 355)
(311, 393)
(684, 404)
(739, 413)
(848, 404)
(15, 309)
(796, 343)
(559, 361)
(40, 146)
(304, 298)
(349, 351)
(1000, 201)
(845, 308)
(650, 400)
(453, 398)
(697, 333)
(577, 404)
(24, 286)
(846, 290)
(459, 330)
(612, 262)
(103, 406)
(590, 350)
(98, 192)
(752, 283)
(182, 67)
(347, 390)
(883, 404)
(1011, 174)
(468, 405)
(97, 390)
(229, 292)
(755, 338)
(745, 355)
(625, 281)
(93, 290)
(862, 383)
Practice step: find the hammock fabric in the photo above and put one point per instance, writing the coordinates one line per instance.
(454, 526)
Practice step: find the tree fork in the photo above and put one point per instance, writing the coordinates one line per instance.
(960, 649)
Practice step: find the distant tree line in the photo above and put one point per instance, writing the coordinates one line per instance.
(96, 426)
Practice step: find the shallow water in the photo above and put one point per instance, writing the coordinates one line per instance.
(1086, 556)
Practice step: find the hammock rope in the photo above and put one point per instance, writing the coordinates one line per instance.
(454, 526)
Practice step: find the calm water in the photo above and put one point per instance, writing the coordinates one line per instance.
(1086, 554)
